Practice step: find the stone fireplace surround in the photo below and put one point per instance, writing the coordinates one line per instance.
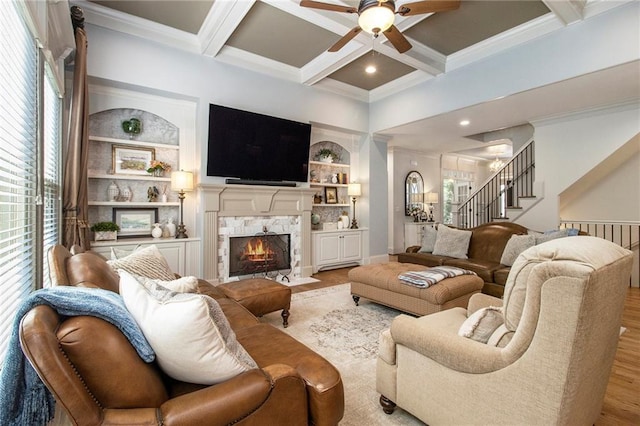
(254, 205)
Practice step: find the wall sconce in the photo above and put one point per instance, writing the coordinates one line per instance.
(182, 182)
(354, 190)
(431, 198)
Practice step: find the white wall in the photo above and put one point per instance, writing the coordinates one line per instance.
(609, 39)
(612, 195)
(568, 148)
(401, 162)
(121, 58)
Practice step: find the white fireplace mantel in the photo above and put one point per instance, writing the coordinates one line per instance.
(252, 200)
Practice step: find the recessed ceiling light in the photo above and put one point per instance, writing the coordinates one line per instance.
(465, 122)
(370, 69)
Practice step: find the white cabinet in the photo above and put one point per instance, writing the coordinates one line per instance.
(182, 254)
(336, 248)
(413, 232)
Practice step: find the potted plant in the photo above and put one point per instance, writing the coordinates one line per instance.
(327, 155)
(105, 231)
(157, 168)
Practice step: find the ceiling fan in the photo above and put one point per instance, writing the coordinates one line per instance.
(377, 16)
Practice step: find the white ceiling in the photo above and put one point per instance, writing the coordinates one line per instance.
(282, 39)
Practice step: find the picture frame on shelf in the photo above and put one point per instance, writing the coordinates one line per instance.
(135, 222)
(331, 195)
(129, 160)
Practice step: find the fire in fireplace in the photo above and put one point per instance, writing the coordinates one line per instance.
(260, 254)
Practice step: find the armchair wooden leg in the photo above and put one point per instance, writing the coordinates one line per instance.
(356, 299)
(285, 318)
(388, 406)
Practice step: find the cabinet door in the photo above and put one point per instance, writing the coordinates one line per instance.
(174, 253)
(327, 249)
(351, 246)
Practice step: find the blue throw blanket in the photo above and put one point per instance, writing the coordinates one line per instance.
(24, 399)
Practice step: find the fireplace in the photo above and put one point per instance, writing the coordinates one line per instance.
(262, 254)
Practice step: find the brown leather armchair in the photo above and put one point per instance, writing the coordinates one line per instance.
(98, 378)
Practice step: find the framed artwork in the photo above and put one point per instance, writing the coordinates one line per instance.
(132, 160)
(135, 222)
(331, 195)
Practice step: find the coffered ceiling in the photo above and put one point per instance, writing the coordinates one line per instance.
(282, 39)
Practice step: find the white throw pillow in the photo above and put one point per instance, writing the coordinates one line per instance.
(145, 262)
(516, 245)
(428, 239)
(452, 242)
(481, 324)
(189, 333)
(179, 285)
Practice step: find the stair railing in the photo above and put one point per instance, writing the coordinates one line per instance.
(501, 191)
(624, 233)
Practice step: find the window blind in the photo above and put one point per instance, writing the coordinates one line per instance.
(18, 141)
(51, 191)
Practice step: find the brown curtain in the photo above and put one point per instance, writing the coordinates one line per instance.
(74, 191)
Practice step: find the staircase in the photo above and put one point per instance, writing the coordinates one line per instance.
(506, 195)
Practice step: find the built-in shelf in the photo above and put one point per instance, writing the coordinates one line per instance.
(133, 204)
(322, 163)
(128, 177)
(132, 142)
(343, 185)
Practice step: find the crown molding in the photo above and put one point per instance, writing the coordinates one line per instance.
(132, 25)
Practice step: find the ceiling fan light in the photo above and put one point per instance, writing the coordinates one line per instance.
(377, 18)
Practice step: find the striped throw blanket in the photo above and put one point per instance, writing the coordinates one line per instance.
(424, 279)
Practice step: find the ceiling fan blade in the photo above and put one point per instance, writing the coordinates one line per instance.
(327, 6)
(398, 40)
(428, 6)
(346, 39)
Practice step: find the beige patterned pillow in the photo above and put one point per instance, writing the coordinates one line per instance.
(516, 245)
(428, 239)
(452, 242)
(146, 262)
(481, 324)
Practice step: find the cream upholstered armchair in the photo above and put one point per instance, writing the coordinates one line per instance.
(543, 357)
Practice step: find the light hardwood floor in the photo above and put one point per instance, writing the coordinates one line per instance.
(622, 401)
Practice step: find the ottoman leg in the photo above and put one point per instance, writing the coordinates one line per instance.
(356, 299)
(285, 318)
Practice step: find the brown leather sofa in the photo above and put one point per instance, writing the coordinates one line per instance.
(97, 377)
(485, 250)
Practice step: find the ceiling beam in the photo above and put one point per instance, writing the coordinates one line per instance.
(568, 11)
(220, 23)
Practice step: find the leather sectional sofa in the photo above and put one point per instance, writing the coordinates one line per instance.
(484, 253)
(98, 378)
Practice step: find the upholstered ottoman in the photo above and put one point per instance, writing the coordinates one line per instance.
(379, 283)
(260, 296)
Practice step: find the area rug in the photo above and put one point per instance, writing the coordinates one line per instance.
(328, 321)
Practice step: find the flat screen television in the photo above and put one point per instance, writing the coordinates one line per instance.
(247, 147)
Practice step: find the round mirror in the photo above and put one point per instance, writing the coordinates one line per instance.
(413, 193)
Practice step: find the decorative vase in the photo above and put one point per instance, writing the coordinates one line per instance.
(326, 159)
(345, 220)
(156, 232)
(113, 191)
(127, 194)
(171, 227)
(158, 172)
(164, 198)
